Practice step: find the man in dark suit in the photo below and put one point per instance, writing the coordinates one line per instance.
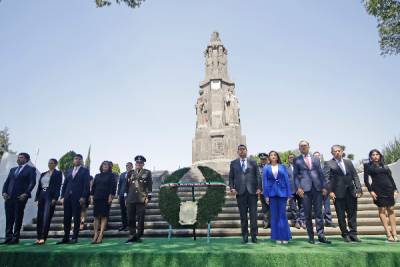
(245, 182)
(16, 191)
(310, 186)
(296, 208)
(121, 197)
(344, 187)
(74, 194)
(138, 190)
(264, 205)
(326, 202)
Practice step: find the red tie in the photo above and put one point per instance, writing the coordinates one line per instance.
(307, 158)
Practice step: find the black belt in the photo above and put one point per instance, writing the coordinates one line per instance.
(44, 189)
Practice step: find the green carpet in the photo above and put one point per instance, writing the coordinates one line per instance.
(373, 251)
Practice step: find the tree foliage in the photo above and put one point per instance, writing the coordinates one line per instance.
(391, 151)
(65, 161)
(129, 3)
(4, 140)
(116, 169)
(387, 12)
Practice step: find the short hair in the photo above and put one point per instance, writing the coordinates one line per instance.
(277, 155)
(242, 146)
(316, 152)
(129, 163)
(78, 156)
(25, 155)
(291, 154)
(304, 142)
(109, 166)
(54, 160)
(335, 146)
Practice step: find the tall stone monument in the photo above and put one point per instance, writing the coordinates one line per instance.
(218, 129)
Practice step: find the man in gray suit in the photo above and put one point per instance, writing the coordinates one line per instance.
(310, 184)
(245, 183)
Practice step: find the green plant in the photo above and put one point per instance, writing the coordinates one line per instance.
(391, 151)
(65, 162)
(209, 205)
(387, 12)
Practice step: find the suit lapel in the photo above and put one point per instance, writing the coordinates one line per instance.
(338, 167)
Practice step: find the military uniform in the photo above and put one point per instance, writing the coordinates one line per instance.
(264, 205)
(138, 188)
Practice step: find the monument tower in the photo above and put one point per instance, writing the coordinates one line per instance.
(218, 129)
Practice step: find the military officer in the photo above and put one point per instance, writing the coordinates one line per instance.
(137, 194)
(265, 207)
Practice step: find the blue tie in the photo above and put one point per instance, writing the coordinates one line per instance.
(243, 166)
(17, 171)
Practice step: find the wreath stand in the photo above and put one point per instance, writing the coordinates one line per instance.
(193, 186)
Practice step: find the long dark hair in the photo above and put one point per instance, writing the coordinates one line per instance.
(277, 155)
(381, 157)
(109, 166)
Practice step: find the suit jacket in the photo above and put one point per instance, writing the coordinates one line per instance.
(279, 186)
(291, 179)
(54, 185)
(76, 187)
(24, 182)
(121, 184)
(249, 180)
(305, 178)
(338, 182)
(139, 186)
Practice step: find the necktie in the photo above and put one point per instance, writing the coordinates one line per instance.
(308, 162)
(341, 165)
(243, 166)
(17, 170)
(74, 172)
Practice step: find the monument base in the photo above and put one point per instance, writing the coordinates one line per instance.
(219, 165)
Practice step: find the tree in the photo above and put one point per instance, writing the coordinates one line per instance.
(129, 3)
(4, 140)
(116, 169)
(65, 161)
(387, 12)
(391, 151)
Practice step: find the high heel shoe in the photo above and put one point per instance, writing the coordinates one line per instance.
(99, 239)
(390, 238)
(94, 241)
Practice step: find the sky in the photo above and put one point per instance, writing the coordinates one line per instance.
(125, 81)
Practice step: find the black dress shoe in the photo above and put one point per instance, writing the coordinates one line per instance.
(13, 241)
(73, 241)
(5, 242)
(245, 239)
(311, 241)
(254, 239)
(355, 239)
(63, 241)
(347, 239)
(129, 241)
(324, 240)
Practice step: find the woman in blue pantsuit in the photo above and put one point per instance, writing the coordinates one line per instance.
(276, 192)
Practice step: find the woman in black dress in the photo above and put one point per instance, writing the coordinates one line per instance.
(383, 191)
(102, 195)
(47, 194)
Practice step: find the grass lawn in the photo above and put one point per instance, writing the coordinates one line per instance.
(373, 251)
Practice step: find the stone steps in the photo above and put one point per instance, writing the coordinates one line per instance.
(227, 223)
